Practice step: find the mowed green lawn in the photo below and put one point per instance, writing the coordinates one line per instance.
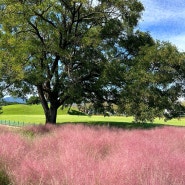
(35, 114)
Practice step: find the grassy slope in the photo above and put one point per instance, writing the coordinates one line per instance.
(34, 114)
(22, 109)
(26, 113)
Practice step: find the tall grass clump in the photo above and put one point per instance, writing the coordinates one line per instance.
(38, 130)
(84, 155)
(4, 178)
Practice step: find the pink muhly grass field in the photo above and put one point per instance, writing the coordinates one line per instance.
(83, 155)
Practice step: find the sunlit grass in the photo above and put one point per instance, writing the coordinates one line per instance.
(40, 119)
(174, 122)
(89, 119)
(65, 118)
(34, 114)
(23, 109)
(24, 118)
(114, 119)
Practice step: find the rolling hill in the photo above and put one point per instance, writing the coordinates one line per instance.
(23, 109)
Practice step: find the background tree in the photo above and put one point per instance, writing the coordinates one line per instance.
(61, 48)
(153, 81)
(33, 100)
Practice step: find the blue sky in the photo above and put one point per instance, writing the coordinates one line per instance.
(165, 21)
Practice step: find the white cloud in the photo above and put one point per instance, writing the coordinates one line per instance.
(179, 41)
(165, 20)
(156, 12)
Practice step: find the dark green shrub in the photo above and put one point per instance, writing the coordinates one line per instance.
(1, 110)
(4, 178)
(33, 100)
(75, 112)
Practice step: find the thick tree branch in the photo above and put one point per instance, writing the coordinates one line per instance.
(37, 31)
(42, 98)
(43, 18)
(55, 64)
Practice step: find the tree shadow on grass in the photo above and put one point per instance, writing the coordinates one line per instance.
(122, 125)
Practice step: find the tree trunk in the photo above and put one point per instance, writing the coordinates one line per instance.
(51, 115)
(50, 112)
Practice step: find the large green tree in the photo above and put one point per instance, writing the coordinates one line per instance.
(62, 48)
(152, 81)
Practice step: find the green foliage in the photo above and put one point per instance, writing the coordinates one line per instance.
(62, 47)
(154, 83)
(1, 110)
(33, 100)
(4, 179)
